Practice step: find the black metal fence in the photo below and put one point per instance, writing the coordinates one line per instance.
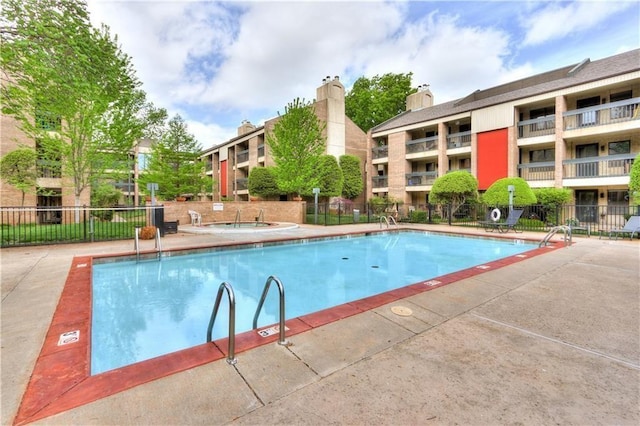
(588, 219)
(23, 226)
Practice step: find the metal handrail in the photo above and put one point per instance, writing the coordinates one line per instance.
(564, 228)
(158, 245)
(136, 244)
(231, 359)
(282, 340)
(260, 218)
(393, 219)
(384, 219)
(236, 222)
(388, 220)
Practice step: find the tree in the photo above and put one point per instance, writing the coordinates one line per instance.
(174, 163)
(634, 181)
(67, 75)
(18, 169)
(498, 194)
(352, 172)
(262, 182)
(551, 199)
(374, 101)
(454, 188)
(296, 144)
(329, 175)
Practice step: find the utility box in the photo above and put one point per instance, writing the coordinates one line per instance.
(356, 216)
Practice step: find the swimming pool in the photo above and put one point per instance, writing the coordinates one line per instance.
(147, 309)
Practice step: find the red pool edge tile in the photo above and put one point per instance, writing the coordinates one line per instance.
(61, 377)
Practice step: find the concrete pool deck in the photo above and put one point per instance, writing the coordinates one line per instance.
(551, 339)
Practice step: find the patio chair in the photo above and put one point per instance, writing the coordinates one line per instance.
(509, 224)
(196, 218)
(631, 227)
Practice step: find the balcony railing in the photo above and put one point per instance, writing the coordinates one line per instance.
(458, 140)
(380, 152)
(595, 167)
(49, 169)
(241, 184)
(537, 171)
(600, 115)
(242, 156)
(421, 178)
(422, 145)
(537, 127)
(380, 181)
(260, 150)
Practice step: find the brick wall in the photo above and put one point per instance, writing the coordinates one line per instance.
(274, 211)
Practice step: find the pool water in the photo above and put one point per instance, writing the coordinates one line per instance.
(147, 309)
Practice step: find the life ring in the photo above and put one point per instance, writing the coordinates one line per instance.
(495, 215)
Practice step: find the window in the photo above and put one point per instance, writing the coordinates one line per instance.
(143, 161)
(430, 167)
(619, 147)
(617, 202)
(47, 121)
(542, 155)
(464, 164)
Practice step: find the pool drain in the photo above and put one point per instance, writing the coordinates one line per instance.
(402, 311)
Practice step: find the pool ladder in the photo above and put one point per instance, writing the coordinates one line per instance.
(236, 222)
(564, 228)
(231, 356)
(136, 244)
(388, 220)
(231, 359)
(282, 340)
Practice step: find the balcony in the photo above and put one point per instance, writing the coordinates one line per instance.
(421, 178)
(537, 171)
(542, 126)
(422, 145)
(602, 115)
(260, 151)
(380, 181)
(242, 156)
(49, 169)
(458, 140)
(241, 184)
(380, 152)
(598, 167)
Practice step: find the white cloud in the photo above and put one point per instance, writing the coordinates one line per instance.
(555, 20)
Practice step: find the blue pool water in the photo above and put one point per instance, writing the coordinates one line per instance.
(151, 308)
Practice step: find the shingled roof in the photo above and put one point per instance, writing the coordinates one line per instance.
(583, 72)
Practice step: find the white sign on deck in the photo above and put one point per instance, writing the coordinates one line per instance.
(271, 331)
(69, 337)
(218, 207)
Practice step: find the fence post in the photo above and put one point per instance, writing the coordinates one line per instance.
(429, 210)
(449, 214)
(84, 222)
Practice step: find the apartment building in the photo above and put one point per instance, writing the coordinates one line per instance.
(576, 127)
(230, 162)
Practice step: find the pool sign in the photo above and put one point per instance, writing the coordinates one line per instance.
(271, 331)
(69, 337)
(218, 207)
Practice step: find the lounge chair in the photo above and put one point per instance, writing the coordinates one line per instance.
(196, 218)
(509, 224)
(631, 227)
(488, 219)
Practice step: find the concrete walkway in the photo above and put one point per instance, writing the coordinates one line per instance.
(552, 339)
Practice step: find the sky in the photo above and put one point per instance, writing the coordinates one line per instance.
(219, 63)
